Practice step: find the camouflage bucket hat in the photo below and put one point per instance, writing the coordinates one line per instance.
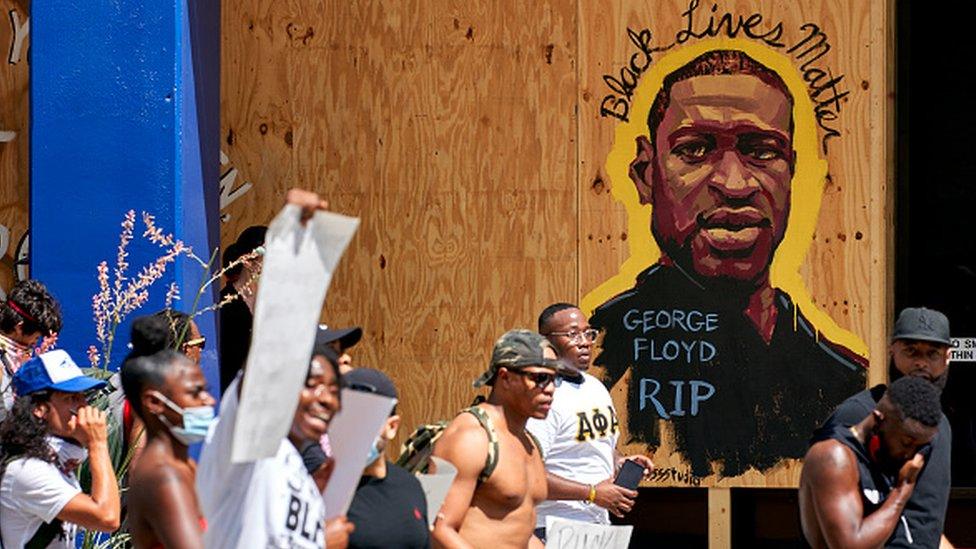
(521, 348)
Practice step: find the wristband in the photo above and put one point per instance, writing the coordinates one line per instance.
(592, 497)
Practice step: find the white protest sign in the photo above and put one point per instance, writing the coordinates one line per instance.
(571, 534)
(963, 349)
(436, 486)
(297, 268)
(351, 434)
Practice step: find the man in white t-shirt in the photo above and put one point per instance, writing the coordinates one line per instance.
(579, 436)
(50, 431)
(271, 502)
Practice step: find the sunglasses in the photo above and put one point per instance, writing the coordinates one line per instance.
(540, 379)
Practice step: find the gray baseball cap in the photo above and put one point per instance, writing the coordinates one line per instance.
(922, 324)
(518, 349)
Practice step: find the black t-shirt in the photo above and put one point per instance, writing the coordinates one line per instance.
(926, 509)
(390, 512)
(697, 361)
(235, 336)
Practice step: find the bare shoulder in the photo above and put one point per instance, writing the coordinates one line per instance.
(829, 459)
(464, 443)
(156, 476)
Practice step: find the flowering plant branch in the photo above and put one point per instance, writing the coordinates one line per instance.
(114, 302)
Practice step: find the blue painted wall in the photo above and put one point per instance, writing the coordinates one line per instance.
(124, 115)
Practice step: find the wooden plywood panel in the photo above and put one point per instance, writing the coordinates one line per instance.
(838, 264)
(14, 111)
(450, 129)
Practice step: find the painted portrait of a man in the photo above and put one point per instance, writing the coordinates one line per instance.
(711, 345)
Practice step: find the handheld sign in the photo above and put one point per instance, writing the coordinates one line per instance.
(572, 534)
(298, 265)
(351, 434)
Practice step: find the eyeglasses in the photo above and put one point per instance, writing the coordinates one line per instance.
(198, 342)
(576, 336)
(540, 379)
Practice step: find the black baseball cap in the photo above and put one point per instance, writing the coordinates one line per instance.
(370, 380)
(347, 337)
(921, 324)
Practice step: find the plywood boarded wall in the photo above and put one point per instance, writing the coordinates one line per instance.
(469, 138)
(14, 96)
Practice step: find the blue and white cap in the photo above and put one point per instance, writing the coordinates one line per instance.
(53, 371)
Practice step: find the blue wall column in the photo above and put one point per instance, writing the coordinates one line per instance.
(124, 116)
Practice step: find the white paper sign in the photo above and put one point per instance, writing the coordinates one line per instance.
(351, 434)
(963, 349)
(571, 534)
(436, 486)
(297, 268)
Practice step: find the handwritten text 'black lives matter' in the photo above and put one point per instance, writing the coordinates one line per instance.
(822, 85)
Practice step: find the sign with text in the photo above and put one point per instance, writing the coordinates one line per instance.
(963, 349)
(571, 534)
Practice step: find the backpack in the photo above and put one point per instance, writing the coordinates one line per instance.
(417, 449)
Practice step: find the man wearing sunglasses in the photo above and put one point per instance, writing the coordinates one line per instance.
(495, 506)
(579, 436)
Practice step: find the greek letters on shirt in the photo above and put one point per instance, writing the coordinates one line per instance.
(596, 424)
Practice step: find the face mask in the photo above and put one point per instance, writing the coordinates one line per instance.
(70, 455)
(196, 421)
(374, 453)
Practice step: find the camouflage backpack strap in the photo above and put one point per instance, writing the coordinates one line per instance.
(536, 442)
(492, 460)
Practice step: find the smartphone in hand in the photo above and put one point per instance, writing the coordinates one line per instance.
(629, 475)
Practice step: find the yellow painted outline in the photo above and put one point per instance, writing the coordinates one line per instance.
(807, 186)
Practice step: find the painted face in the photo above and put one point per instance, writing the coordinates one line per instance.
(59, 410)
(921, 358)
(318, 403)
(720, 170)
(569, 332)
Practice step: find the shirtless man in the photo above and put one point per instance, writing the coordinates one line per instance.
(169, 393)
(499, 511)
(857, 479)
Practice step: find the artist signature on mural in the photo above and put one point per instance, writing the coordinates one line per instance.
(823, 85)
(670, 474)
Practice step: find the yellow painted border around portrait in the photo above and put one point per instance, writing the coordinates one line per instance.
(807, 186)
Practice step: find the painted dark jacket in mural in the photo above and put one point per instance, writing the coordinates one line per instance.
(697, 361)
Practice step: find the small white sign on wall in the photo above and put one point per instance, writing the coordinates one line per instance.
(963, 349)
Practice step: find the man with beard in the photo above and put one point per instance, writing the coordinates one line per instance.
(711, 346)
(857, 479)
(919, 348)
(494, 506)
(579, 436)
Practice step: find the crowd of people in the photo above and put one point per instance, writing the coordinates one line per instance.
(543, 443)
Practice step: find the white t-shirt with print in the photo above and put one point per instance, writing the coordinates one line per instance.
(578, 438)
(33, 492)
(271, 502)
